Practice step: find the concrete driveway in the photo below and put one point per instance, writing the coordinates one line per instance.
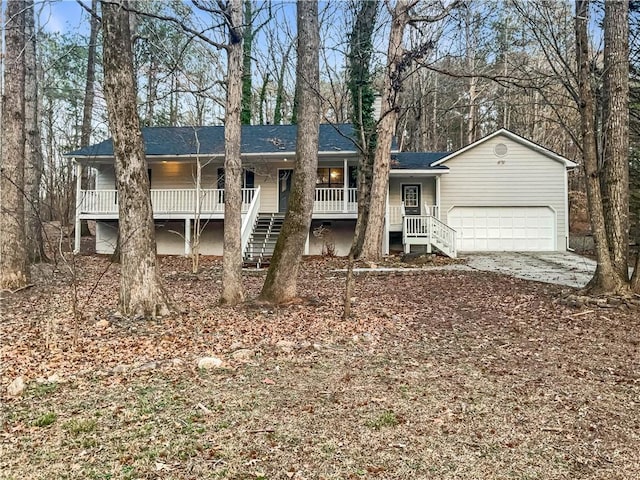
(562, 268)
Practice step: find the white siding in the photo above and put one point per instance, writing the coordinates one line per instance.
(427, 190)
(336, 233)
(106, 237)
(479, 178)
(169, 238)
(266, 176)
(105, 177)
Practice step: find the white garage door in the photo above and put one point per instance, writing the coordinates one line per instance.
(503, 228)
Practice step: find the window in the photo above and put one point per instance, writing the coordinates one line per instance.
(330, 178)
(353, 177)
(248, 179)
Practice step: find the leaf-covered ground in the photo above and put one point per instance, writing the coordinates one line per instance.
(440, 374)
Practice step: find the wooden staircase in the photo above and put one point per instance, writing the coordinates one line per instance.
(263, 239)
(428, 230)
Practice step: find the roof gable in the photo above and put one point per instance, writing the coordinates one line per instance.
(516, 138)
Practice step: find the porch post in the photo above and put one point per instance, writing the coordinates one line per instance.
(78, 224)
(405, 242)
(437, 212)
(187, 236)
(306, 245)
(345, 174)
(385, 239)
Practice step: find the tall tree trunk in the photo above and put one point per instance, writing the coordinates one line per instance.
(472, 126)
(362, 99)
(362, 117)
(89, 92)
(263, 98)
(141, 291)
(152, 93)
(14, 268)
(471, 45)
(372, 246)
(33, 148)
(277, 111)
(232, 291)
(247, 78)
(605, 279)
(616, 133)
(89, 97)
(281, 282)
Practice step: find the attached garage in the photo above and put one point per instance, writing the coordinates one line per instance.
(505, 193)
(504, 228)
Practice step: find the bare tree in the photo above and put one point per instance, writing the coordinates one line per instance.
(362, 116)
(14, 269)
(605, 279)
(89, 92)
(232, 291)
(281, 282)
(33, 147)
(141, 290)
(615, 151)
(372, 243)
(362, 98)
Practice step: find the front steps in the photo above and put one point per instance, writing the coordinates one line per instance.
(263, 239)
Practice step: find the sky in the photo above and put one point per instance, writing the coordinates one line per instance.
(62, 16)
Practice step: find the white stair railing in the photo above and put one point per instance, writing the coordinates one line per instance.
(249, 220)
(428, 230)
(432, 210)
(443, 237)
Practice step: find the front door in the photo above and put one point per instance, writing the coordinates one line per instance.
(284, 188)
(411, 199)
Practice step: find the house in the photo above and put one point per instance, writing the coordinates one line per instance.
(501, 193)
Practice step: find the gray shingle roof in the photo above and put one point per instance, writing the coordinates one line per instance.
(168, 141)
(417, 160)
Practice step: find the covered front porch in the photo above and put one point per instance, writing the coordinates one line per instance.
(414, 210)
(209, 203)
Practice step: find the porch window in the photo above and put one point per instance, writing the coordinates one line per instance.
(353, 176)
(330, 178)
(248, 178)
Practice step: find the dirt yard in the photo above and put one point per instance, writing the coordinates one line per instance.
(439, 375)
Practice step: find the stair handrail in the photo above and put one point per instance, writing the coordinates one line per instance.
(443, 236)
(249, 220)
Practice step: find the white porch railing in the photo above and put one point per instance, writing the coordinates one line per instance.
(334, 200)
(396, 213)
(249, 219)
(166, 201)
(433, 210)
(428, 230)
